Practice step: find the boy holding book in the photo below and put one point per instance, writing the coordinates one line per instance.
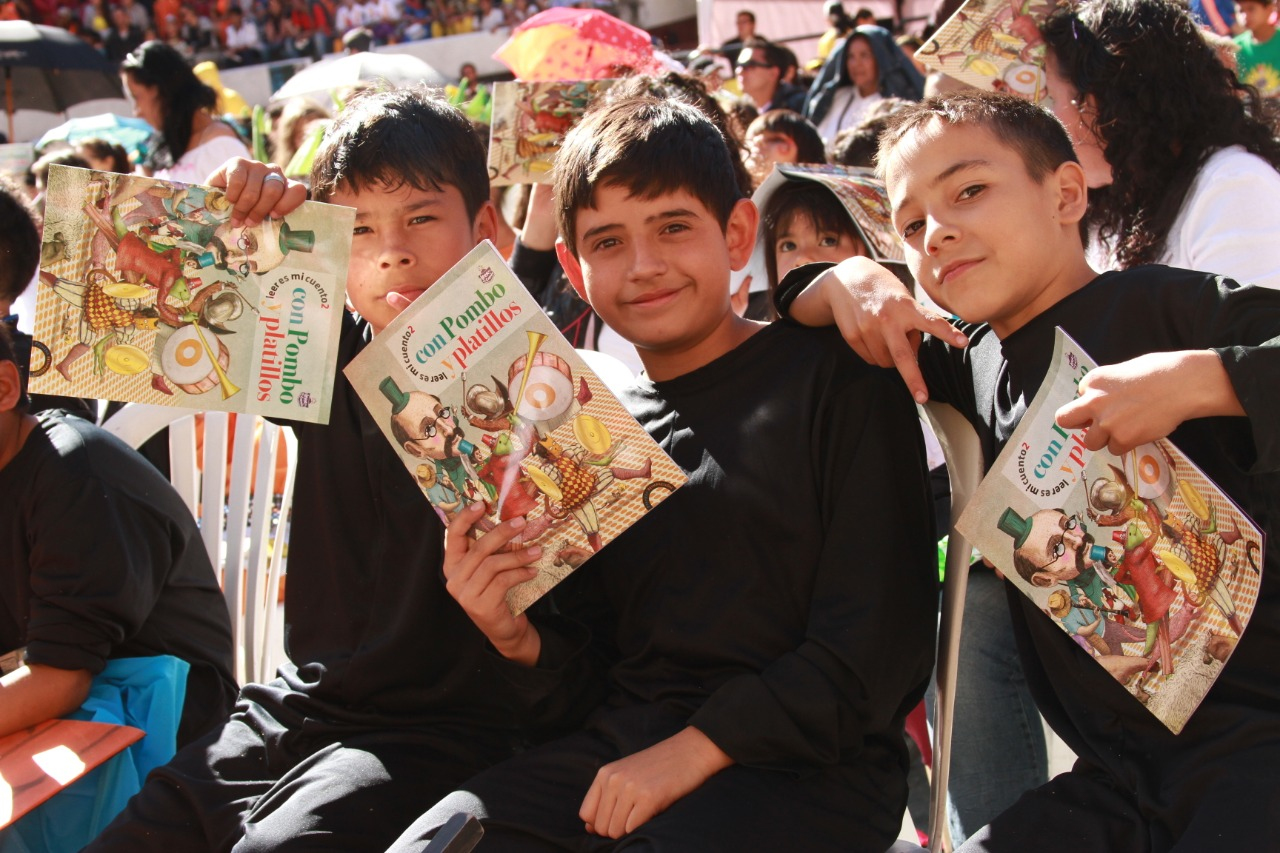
(388, 699)
(988, 198)
(766, 630)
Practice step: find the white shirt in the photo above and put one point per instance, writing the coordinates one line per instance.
(1229, 223)
(198, 163)
(848, 109)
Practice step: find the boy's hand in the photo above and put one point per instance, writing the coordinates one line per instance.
(877, 316)
(628, 792)
(479, 577)
(1148, 397)
(257, 190)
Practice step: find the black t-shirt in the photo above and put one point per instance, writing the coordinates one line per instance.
(100, 559)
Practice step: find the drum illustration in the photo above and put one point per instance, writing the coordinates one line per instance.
(187, 361)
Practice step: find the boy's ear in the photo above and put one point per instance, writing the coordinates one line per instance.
(740, 232)
(572, 269)
(10, 386)
(485, 226)
(1073, 192)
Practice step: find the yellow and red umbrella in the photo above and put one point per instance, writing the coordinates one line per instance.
(576, 44)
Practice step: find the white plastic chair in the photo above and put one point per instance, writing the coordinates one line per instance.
(963, 452)
(248, 562)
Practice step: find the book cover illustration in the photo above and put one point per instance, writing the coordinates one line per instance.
(1140, 559)
(148, 294)
(484, 400)
(529, 124)
(992, 44)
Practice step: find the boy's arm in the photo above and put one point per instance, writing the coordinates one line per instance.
(549, 661)
(1230, 366)
(875, 312)
(1146, 398)
(869, 645)
(35, 693)
(479, 577)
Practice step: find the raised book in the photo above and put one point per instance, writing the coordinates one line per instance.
(530, 120)
(149, 294)
(485, 401)
(993, 45)
(1141, 559)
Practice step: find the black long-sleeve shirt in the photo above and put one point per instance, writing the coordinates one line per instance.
(374, 637)
(100, 559)
(782, 601)
(1226, 755)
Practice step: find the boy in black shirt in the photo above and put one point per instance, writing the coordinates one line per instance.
(388, 699)
(763, 632)
(987, 196)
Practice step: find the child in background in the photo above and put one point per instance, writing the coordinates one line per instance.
(804, 222)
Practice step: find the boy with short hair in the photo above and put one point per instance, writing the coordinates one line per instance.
(766, 630)
(988, 197)
(388, 699)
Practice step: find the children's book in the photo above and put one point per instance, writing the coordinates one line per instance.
(992, 44)
(1141, 559)
(529, 124)
(860, 192)
(484, 400)
(149, 294)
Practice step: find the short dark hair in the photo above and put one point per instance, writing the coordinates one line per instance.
(104, 149)
(857, 146)
(1034, 132)
(62, 157)
(19, 240)
(802, 198)
(795, 127)
(691, 90)
(650, 147)
(404, 136)
(775, 55)
(745, 13)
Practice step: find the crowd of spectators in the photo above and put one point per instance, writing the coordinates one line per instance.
(245, 32)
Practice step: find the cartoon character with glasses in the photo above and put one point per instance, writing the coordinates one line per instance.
(425, 428)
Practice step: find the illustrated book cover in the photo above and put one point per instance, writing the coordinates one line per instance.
(529, 123)
(992, 44)
(484, 400)
(1141, 559)
(147, 293)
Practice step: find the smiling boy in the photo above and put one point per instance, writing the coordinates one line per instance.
(388, 699)
(987, 196)
(758, 679)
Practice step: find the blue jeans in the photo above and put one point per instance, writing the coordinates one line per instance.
(998, 745)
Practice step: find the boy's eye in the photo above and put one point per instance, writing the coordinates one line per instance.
(786, 246)
(828, 241)
(361, 229)
(909, 230)
(674, 228)
(604, 243)
(418, 220)
(972, 190)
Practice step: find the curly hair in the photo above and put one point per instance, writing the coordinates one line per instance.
(181, 95)
(1165, 103)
